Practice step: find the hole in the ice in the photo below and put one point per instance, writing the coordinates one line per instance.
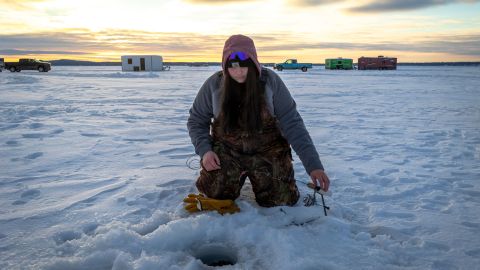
(216, 255)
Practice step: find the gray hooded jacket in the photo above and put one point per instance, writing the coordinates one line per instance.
(280, 103)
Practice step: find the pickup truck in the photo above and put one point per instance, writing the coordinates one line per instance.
(292, 64)
(28, 64)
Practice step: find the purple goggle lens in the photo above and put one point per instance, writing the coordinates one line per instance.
(240, 55)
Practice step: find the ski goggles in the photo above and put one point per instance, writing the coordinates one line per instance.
(238, 59)
(238, 55)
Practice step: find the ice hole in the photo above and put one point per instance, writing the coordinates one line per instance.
(216, 255)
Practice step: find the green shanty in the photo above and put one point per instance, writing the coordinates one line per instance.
(338, 63)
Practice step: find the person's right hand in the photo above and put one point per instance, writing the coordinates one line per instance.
(210, 161)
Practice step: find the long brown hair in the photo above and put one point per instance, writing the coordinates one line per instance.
(242, 102)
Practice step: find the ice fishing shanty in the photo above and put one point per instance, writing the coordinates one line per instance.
(378, 63)
(338, 63)
(143, 63)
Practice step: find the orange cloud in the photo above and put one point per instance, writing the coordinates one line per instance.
(109, 45)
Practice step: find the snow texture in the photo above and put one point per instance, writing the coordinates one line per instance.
(93, 172)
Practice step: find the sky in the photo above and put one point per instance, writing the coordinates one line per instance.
(195, 30)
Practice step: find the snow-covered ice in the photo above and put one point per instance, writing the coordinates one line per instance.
(93, 172)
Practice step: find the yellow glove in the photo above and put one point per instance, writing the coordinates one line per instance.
(199, 202)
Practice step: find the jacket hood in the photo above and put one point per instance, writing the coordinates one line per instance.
(240, 43)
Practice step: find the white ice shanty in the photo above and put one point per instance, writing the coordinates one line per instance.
(143, 63)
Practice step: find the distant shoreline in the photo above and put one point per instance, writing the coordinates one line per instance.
(91, 63)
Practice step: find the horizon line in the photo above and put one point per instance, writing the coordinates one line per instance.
(217, 62)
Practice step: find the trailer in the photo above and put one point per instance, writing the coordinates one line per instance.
(338, 63)
(143, 63)
(377, 63)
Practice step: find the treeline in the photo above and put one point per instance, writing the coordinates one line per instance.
(66, 62)
(440, 64)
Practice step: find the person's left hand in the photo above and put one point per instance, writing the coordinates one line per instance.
(320, 177)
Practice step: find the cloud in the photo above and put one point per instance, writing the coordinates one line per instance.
(36, 52)
(110, 44)
(45, 41)
(396, 5)
(455, 45)
(218, 1)
(19, 5)
(310, 3)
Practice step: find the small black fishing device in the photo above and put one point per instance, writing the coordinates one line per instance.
(310, 200)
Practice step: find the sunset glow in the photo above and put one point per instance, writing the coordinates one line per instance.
(189, 30)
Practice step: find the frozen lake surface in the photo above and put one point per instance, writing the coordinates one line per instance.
(93, 173)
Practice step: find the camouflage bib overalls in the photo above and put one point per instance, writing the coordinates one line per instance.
(264, 157)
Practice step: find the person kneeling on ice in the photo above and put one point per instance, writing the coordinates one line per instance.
(255, 121)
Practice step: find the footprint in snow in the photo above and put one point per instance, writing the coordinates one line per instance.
(90, 228)
(176, 183)
(57, 131)
(34, 135)
(473, 253)
(42, 135)
(471, 225)
(65, 236)
(26, 196)
(86, 134)
(35, 125)
(432, 245)
(12, 143)
(359, 174)
(386, 172)
(378, 180)
(34, 155)
(30, 194)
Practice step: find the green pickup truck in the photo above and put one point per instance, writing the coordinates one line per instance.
(292, 64)
(28, 64)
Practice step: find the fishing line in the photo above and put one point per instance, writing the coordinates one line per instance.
(310, 200)
(193, 162)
